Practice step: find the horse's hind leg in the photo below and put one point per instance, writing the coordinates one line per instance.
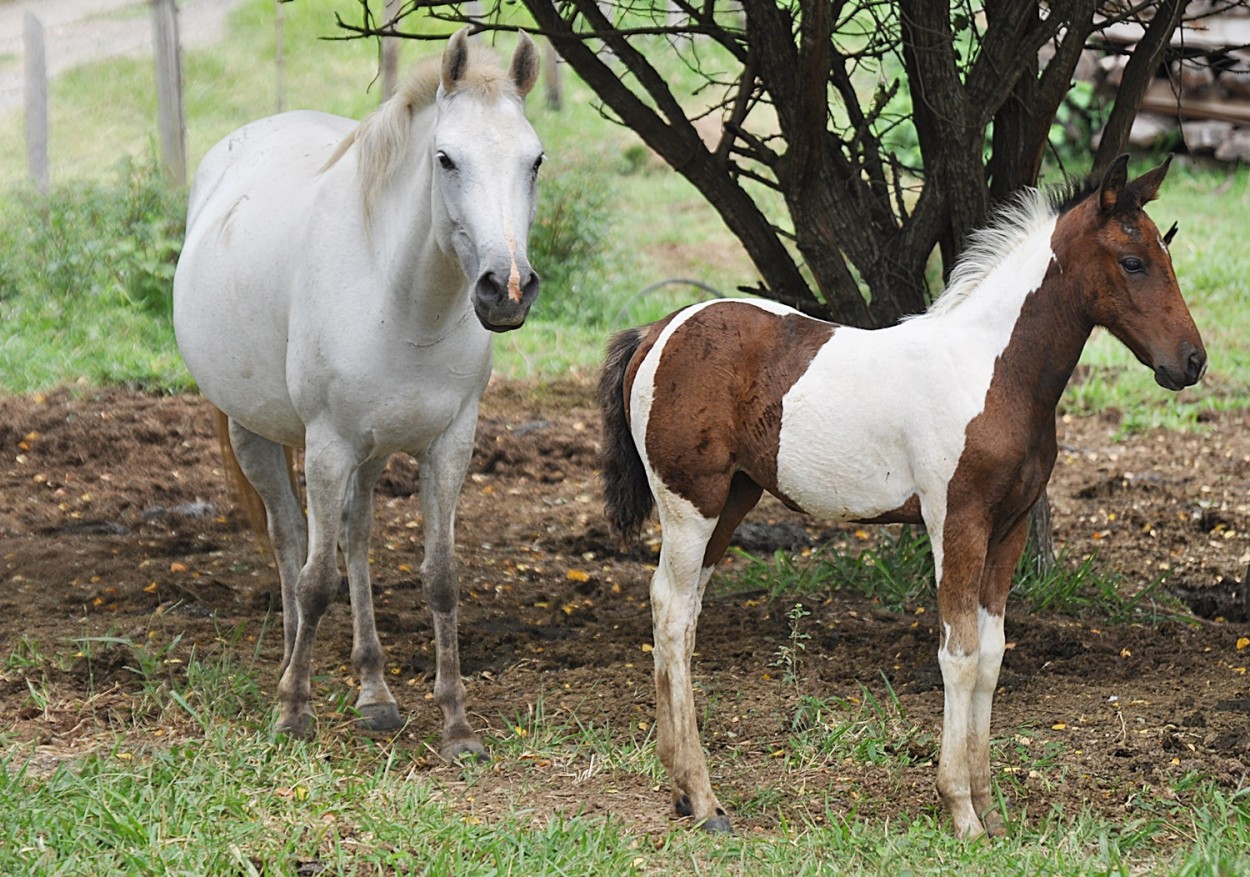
(327, 467)
(443, 467)
(375, 704)
(676, 597)
(264, 463)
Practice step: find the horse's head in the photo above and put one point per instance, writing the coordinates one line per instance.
(486, 158)
(1125, 271)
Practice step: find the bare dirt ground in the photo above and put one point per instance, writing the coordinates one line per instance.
(115, 520)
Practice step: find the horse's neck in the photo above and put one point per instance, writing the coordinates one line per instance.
(422, 280)
(1026, 315)
(1044, 343)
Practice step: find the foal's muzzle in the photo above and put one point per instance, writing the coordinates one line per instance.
(502, 306)
(1192, 367)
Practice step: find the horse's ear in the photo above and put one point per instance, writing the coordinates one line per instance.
(1113, 181)
(455, 59)
(524, 68)
(1146, 187)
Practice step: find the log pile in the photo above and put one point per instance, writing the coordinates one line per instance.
(1199, 102)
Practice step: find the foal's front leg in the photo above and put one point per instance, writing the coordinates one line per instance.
(443, 467)
(1000, 566)
(960, 563)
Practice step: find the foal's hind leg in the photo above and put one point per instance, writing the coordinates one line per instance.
(264, 464)
(375, 704)
(692, 546)
(443, 467)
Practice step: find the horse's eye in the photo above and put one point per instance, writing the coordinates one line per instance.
(538, 162)
(1133, 265)
(444, 161)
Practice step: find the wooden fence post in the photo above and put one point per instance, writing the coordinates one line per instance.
(553, 77)
(390, 54)
(36, 102)
(169, 89)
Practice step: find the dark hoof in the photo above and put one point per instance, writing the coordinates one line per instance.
(464, 752)
(379, 717)
(717, 825)
(682, 806)
(302, 726)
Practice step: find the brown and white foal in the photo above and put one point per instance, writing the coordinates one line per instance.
(946, 419)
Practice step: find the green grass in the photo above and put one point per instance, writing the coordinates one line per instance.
(213, 792)
(196, 785)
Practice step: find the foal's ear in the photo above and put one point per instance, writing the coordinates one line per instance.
(1146, 187)
(524, 68)
(1113, 181)
(455, 59)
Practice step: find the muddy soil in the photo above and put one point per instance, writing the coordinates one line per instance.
(116, 521)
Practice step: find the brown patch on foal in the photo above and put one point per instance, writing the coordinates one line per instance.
(724, 372)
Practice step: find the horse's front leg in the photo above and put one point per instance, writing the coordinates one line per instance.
(327, 467)
(676, 597)
(375, 703)
(1000, 566)
(443, 467)
(959, 549)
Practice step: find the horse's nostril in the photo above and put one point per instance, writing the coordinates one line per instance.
(489, 288)
(1197, 364)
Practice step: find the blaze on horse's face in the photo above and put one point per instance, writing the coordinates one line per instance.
(486, 159)
(1129, 278)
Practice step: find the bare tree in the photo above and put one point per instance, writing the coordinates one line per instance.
(885, 128)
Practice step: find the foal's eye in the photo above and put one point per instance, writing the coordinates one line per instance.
(538, 162)
(1133, 265)
(444, 161)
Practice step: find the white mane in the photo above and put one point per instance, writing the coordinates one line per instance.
(1028, 212)
(382, 138)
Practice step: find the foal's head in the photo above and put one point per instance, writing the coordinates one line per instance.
(1125, 273)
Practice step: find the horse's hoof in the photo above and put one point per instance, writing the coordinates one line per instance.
(464, 752)
(379, 717)
(682, 806)
(993, 822)
(718, 824)
(301, 726)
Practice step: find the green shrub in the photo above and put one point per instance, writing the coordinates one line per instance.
(567, 244)
(114, 239)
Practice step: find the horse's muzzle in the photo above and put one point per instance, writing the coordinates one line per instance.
(502, 304)
(1195, 366)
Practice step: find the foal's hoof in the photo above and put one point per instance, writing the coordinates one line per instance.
(718, 824)
(301, 726)
(379, 717)
(469, 751)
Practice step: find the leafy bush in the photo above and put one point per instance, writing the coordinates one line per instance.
(114, 239)
(567, 244)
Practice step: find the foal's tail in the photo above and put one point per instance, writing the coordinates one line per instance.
(626, 492)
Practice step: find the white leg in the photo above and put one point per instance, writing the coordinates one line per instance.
(375, 703)
(264, 465)
(327, 467)
(443, 467)
(676, 598)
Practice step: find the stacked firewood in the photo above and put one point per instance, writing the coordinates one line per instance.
(1200, 102)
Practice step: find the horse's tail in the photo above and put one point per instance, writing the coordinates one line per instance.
(244, 492)
(626, 492)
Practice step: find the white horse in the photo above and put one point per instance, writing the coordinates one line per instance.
(337, 291)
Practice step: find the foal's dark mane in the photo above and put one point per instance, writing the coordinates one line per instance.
(1073, 191)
